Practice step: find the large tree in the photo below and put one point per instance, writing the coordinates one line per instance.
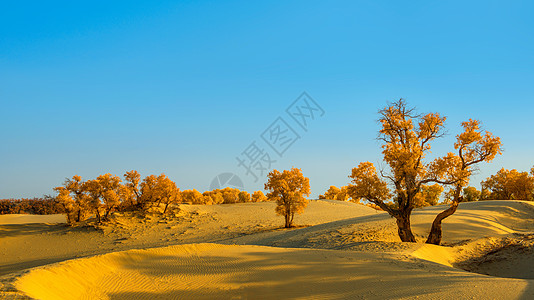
(289, 189)
(407, 138)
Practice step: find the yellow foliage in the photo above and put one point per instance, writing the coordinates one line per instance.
(366, 184)
(428, 196)
(192, 196)
(258, 196)
(335, 193)
(470, 194)
(288, 188)
(407, 138)
(510, 184)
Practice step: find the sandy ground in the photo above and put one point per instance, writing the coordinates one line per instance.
(31, 219)
(343, 250)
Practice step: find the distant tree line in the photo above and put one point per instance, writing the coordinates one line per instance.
(37, 206)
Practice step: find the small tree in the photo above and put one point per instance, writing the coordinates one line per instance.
(132, 180)
(288, 189)
(230, 195)
(66, 201)
(429, 195)
(243, 196)
(258, 196)
(168, 193)
(94, 193)
(149, 193)
(112, 192)
(331, 193)
(192, 196)
(79, 206)
(217, 198)
(335, 193)
(471, 194)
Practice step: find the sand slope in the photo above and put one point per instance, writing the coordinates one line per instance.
(31, 219)
(49, 243)
(350, 251)
(207, 271)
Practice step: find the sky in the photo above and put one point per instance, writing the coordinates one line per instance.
(186, 88)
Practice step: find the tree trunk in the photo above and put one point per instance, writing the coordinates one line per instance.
(434, 237)
(165, 210)
(98, 216)
(405, 229)
(288, 220)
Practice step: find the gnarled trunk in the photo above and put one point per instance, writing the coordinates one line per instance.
(434, 237)
(405, 229)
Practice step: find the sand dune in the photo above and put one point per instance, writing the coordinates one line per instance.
(207, 271)
(350, 251)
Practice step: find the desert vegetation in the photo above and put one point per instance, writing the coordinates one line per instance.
(406, 138)
(288, 189)
(509, 185)
(109, 193)
(37, 206)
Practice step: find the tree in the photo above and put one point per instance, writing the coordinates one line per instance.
(192, 196)
(485, 194)
(405, 145)
(343, 195)
(474, 146)
(335, 193)
(510, 185)
(407, 138)
(112, 192)
(471, 193)
(79, 208)
(213, 197)
(94, 193)
(104, 193)
(331, 193)
(131, 182)
(66, 201)
(230, 195)
(429, 195)
(243, 196)
(288, 188)
(167, 192)
(258, 196)
(148, 192)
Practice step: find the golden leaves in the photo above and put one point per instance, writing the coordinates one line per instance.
(366, 184)
(288, 188)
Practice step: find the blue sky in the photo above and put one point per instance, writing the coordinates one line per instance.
(183, 88)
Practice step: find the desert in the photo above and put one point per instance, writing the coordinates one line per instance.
(347, 149)
(238, 251)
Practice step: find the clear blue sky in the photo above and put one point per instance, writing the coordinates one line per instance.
(94, 87)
